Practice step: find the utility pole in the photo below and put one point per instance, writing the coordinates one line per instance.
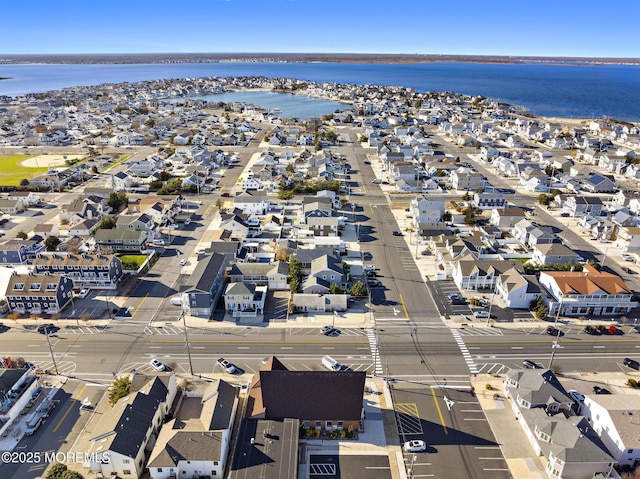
(186, 339)
(554, 346)
(53, 357)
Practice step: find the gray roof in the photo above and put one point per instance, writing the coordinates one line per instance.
(127, 424)
(204, 274)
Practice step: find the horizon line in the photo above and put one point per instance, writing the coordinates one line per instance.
(327, 54)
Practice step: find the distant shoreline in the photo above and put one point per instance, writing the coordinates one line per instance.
(302, 58)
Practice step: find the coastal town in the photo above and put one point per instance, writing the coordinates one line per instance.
(210, 228)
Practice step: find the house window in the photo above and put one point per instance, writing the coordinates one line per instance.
(318, 425)
(126, 471)
(329, 425)
(340, 425)
(126, 461)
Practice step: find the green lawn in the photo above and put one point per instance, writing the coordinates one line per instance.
(12, 172)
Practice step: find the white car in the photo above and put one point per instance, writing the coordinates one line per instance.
(187, 221)
(157, 365)
(84, 293)
(226, 365)
(200, 251)
(627, 257)
(183, 262)
(416, 445)
(481, 314)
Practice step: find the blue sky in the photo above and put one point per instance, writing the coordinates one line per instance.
(586, 28)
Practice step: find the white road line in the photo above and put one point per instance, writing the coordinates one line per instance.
(599, 347)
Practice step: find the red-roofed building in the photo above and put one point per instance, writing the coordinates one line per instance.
(586, 293)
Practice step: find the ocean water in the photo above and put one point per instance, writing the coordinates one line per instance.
(291, 106)
(569, 91)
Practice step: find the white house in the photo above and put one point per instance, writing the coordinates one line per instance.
(196, 442)
(125, 430)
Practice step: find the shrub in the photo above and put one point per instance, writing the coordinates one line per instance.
(308, 432)
(632, 383)
(489, 387)
(316, 433)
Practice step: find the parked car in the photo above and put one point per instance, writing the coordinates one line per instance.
(367, 162)
(614, 330)
(157, 365)
(376, 181)
(590, 330)
(600, 329)
(226, 366)
(374, 283)
(84, 293)
(183, 262)
(575, 395)
(600, 390)
(397, 233)
(481, 314)
(200, 251)
(527, 363)
(552, 331)
(631, 363)
(416, 445)
(331, 331)
(47, 328)
(627, 257)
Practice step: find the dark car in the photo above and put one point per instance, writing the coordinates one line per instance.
(601, 329)
(225, 194)
(599, 390)
(396, 233)
(374, 283)
(590, 330)
(551, 331)
(631, 363)
(47, 328)
(371, 273)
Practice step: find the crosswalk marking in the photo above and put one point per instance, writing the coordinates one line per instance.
(375, 354)
(480, 332)
(465, 352)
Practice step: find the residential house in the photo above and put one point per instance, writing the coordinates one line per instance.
(137, 222)
(84, 228)
(28, 198)
(577, 206)
(463, 179)
(325, 303)
(252, 202)
(39, 293)
(244, 299)
(611, 419)
(196, 442)
(126, 430)
(553, 253)
(547, 415)
(628, 239)
(586, 293)
(85, 270)
(517, 290)
(599, 184)
(506, 217)
(204, 286)
(120, 240)
(273, 275)
(11, 207)
(474, 274)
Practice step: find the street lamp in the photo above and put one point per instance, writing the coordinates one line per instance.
(554, 346)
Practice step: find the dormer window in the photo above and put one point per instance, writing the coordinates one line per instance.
(34, 287)
(51, 286)
(18, 287)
